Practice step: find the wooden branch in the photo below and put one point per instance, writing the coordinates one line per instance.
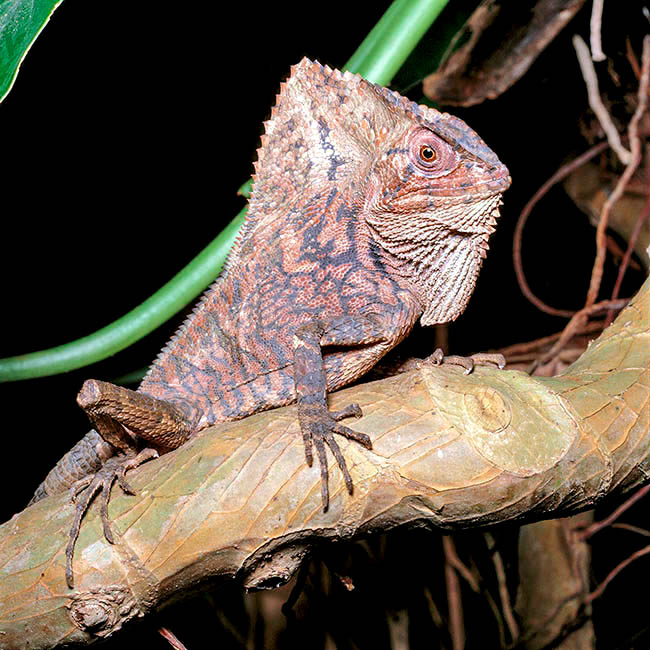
(450, 451)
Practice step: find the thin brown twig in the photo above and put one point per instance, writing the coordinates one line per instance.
(630, 247)
(454, 600)
(633, 529)
(398, 625)
(169, 636)
(224, 620)
(614, 572)
(451, 556)
(595, 29)
(631, 57)
(506, 605)
(492, 604)
(566, 356)
(577, 323)
(559, 175)
(618, 253)
(496, 612)
(434, 611)
(551, 368)
(635, 159)
(586, 533)
(596, 103)
(530, 347)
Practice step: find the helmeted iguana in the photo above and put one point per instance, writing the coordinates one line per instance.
(368, 213)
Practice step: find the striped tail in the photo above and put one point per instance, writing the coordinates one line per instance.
(85, 458)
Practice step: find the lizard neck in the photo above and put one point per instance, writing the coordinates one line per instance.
(439, 263)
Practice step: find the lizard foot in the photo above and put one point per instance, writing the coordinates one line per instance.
(114, 469)
(318, 428)
(480, 359)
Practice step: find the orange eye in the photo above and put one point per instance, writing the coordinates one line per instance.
(427, 154)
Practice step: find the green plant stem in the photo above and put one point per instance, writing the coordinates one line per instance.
(139, 322)
(393, 38)
(378, 58)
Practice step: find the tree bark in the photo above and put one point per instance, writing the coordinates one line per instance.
(450, 451)
(554, 571)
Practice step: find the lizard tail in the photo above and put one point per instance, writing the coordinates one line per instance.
(85, 458)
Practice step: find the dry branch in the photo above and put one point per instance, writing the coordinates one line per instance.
(495, 48)
(450, 451)
(630, 167)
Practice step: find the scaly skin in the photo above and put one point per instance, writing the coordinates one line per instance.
(368, 213)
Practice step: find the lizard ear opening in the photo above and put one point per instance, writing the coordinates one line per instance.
(430, 154)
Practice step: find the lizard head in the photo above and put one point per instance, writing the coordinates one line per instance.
(434, 191)
(422, 184)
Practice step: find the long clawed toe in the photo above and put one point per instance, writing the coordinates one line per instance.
(85, 490)
(491, 360)
(349, 411)
(88, 489)
(319, 431)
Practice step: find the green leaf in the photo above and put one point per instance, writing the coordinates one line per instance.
(21, 21)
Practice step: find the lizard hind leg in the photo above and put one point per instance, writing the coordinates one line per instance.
(137, 426)
(114, 469)
(125, 417)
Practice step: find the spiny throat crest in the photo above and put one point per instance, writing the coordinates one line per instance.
(440, 262)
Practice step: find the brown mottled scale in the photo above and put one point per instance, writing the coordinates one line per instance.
(368, 213)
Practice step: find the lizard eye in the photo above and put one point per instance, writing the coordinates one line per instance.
(431, 154)
(427, 154)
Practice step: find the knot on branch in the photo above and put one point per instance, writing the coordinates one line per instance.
(103, 611)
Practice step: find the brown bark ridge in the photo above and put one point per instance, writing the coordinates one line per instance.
(449, 451)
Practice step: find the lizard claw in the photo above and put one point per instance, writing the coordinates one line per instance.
(489, 359)
(468, 363)
(114, 469)
(350, 411)
(318, 427)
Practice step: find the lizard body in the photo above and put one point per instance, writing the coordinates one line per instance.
(368, 212)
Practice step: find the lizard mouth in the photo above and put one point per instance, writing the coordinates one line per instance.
(489, 183)
(495, 180)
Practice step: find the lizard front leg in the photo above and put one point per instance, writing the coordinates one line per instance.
(318, 425)
(125, 419)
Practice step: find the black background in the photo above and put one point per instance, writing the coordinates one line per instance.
(124, 140)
